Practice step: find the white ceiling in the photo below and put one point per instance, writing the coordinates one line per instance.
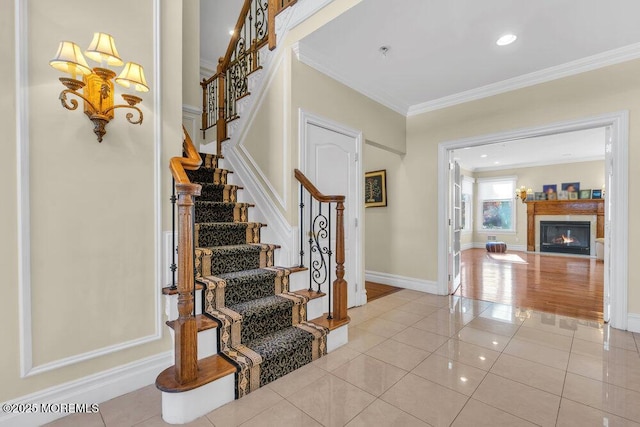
(443, 52)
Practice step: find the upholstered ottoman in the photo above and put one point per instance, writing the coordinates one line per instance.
(496, 247)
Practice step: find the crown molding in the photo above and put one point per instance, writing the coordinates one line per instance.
(604, 59)
(305, 55)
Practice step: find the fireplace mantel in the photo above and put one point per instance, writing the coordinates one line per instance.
(563, 207)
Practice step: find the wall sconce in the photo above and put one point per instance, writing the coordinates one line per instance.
(524, 193)
(97, 84)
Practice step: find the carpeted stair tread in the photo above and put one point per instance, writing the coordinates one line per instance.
(227, 259)
(242, 286)
(217, 192)
(227, 233)
(263, 316)
(221, 211)
(282, 352)
(210, 175)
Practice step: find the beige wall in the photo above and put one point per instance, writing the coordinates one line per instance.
(191, 90)
(92, 205)
(590, 175)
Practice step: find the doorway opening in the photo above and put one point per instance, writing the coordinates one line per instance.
(616, 217)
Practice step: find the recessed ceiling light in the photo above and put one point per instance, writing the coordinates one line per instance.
(496, 163)
(506, 39)
(483, 156)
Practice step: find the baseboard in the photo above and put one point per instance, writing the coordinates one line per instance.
(93, 389)
(402, 281)
(633, 322)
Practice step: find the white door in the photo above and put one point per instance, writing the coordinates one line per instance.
(332, 166)
(455, 226)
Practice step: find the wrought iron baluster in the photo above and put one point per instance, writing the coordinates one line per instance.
(310, 241)
(301, 226)
(193, 248)
(329, 312)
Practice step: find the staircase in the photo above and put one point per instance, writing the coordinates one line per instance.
(263, 328)
(239, 322)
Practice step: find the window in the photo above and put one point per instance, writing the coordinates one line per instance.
(496, 204)
(467, 204)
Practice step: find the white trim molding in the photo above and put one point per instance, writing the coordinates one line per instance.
(412, 283)
(616, 282)
(93, 389)
(633, 322)
(23, 189)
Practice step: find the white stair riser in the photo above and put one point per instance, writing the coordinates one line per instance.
(316, 307)
(207, 342)
(182, 408)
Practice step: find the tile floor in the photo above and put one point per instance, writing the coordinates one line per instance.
(415, 359)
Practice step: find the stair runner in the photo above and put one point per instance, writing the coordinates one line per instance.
(263, 328)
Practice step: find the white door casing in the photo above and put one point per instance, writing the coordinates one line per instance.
(616, 279)
(455, 226)
(329, 157)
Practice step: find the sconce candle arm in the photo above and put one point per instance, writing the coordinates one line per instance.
(129, 116)
(73, 102)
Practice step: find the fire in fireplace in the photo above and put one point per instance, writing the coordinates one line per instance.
(569, 237)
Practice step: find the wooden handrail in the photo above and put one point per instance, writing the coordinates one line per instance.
(220, 91)
(185, 327)
(314, 191)
(191, 162)
(339, 285)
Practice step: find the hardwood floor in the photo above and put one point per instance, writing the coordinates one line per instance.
(572, 286)
(378, 290)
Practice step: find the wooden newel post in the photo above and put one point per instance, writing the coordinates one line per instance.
(186, 330)
(339, 285)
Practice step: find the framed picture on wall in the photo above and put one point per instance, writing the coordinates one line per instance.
(571, 186)
(375, 189)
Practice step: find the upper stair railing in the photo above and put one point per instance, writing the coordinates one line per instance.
(185, 327)
(220, 93)
(320, 226)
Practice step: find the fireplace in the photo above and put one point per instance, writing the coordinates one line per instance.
(568, 237)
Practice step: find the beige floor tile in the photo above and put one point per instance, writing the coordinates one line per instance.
(434, 300)
(453, 316)
(606, 397)
(573, 414)
(469, 305)
(494, 326)
(612, 355)
(417, 308)
(589, 333)
(523, 401)
(361, 340)
(426, 400)
(402, 317)
(529, 373)
(409, 294)
(380, 413)
(132, 408)
(363, 313)
(438, 326)
(359, 373)
(420, 339)
(336, 358)
(538, 353)
(483, 338)
(478, 414)
(624, 375)
(398, 354)
(384, 328)
(538, 336)
(241, 410)
(157, 421)
(282, 414)
(553, 323)
(619, 339)
(73, 420)
(294, 381)
(331, 401)
(451, 374)
(504, 313)
(469, 354)
(388, 302)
